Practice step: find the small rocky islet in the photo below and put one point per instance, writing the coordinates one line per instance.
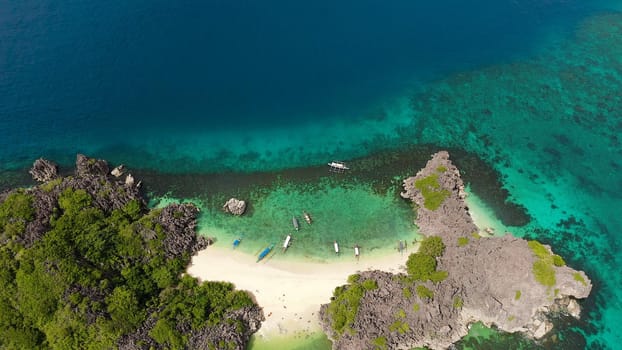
(456, 279)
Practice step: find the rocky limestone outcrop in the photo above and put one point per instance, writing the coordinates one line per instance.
(235, 206)
(91, 176)
(44, 170)
(180, 221)
(86, 166)
(490, 279)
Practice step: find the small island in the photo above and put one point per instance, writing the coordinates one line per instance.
(456, 278)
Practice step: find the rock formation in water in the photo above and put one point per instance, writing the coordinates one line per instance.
(44, 170)
(235, 206)
(505, 282)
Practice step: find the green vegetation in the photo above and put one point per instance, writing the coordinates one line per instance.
(517, 295)
(579, 278)
(399, 325)
(421, 266)
(462, 241)
(543, 266)
(15, 212)
(475, 235)
(354, 278)
(380, 343)
(544, 273)
(345, 304)
(433, 195)
(558, 260)
(416, 307)
(95, 276)
(424, 292)
(407, 293)
(511, 318)
(458, 302)
(432, 246)
(441, 169)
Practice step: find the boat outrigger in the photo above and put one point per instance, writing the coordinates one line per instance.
(336, 245)
(237, 242)
(287, 242)
(338, 167)
(400, 246)
(307, 217)
(265, 252)
(296, 223)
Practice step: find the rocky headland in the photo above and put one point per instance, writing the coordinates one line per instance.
(505, 282)
(116, 251)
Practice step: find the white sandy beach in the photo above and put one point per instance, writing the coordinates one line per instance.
(290, 292)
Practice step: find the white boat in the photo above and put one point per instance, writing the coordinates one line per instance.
(336, 245)
(357, 252)
(338, 167)
(286, 243)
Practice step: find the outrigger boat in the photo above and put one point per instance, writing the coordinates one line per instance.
(237, 242)
(357, 251)
(336, 245)
(296, 223)
(287, 242)
(265, 252)
(338, 167)
(307, 217)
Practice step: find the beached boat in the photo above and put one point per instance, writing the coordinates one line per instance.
(296, 223)
(357, 251)
(338, 167)
(307, 217)
(265, 252)
(336, 245)
(237, 242)
(287, 242)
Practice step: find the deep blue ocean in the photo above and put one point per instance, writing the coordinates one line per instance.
(531, 87)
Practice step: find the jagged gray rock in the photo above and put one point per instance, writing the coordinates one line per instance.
(44, 170)
(91, 166)
(235, 206)
(490, 279)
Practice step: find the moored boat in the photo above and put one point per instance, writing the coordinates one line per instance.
(296, 223)
(336, 246)
(338, 167)
(265, 252)
(307, 217)
(237, 242)
(287, 242)
(357, 251)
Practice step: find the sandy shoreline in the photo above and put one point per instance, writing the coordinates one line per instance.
(291, 289)
(290, 292)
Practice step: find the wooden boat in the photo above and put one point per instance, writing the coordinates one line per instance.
(357, 251)
(296, 223)
(237, 242)
(338, 167)
(287, 242)
(265, 252)
(307, 217)
(336, 245)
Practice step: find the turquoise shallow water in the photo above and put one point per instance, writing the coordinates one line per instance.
(543, 111)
